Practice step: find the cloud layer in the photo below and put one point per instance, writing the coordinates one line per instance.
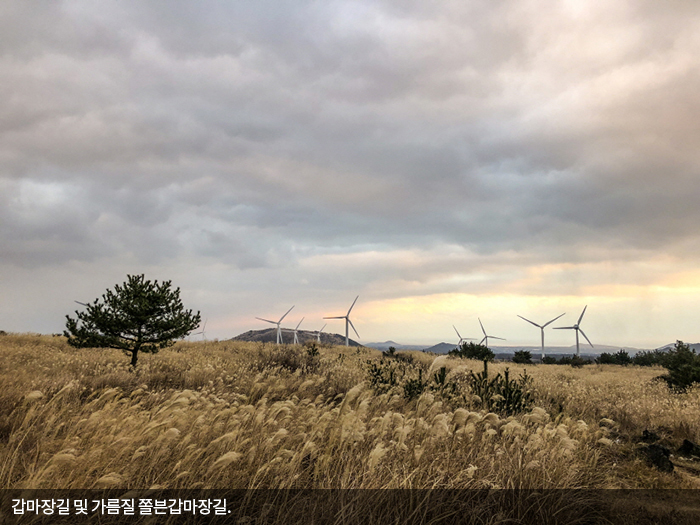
(297, 150)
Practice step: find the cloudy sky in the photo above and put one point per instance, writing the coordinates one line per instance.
(443, 160)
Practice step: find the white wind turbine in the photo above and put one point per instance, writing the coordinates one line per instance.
(279, 330)
(461, 339)
(318, 333)
(541, 328)
(296, 335)
(347, 322)
(486, 337)
(578, 329)
(203, 332)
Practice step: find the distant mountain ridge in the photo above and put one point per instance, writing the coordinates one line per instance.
(269, 335)
(670, 346)
(444, 348)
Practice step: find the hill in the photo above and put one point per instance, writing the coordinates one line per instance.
(269, 335)
(387, 344)
(671, 346)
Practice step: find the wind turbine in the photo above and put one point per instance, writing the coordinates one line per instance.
(203, 332)
(347, 322)
(279, 330)
(296, 336)
(486, 337)
(461, 339)
(576, 327)
(541, 328)
(318, 334)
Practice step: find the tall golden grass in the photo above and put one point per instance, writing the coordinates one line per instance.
(245, 415)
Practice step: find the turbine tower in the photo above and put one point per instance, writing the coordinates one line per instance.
(296, 336)
(578, 329)
(318, 333)
(279, 330)
(348, 322)
(461, 339)
(486, 337)
(541, 328)
(203, 332)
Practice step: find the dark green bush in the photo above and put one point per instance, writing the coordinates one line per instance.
(523, 357)
(382, 375)
(619, 358)
(502, 394)
(473, 351)
(683, 366)
(648, 358)
(413, 388)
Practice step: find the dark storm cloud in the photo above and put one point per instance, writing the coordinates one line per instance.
(264, 132)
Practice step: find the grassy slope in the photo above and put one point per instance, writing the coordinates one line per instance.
(235, 415)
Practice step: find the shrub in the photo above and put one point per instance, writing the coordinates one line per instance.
(523, 357)
(683, 366)
(619, 358)
(413, 388)
(473, 351)
(382, 376)
(575, 361)
(648, 358)
(502, 394)
(311, 349)
(578, 361)
(549, 360)
(288, 357)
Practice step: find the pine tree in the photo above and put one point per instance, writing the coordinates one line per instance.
(138, 316)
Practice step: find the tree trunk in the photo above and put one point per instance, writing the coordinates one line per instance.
(134, 356)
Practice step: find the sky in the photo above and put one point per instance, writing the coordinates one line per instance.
(447, 161)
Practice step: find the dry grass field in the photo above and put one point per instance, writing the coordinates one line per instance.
(243, 415)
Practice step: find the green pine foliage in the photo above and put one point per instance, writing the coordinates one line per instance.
(648, 358)
(618, 358)
(473, 351)
(501, 393)
(522, 357)
(683, 366)
(138, 316)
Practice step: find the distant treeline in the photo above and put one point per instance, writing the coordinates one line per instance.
(621, 357)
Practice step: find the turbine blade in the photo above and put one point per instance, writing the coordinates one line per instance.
(521, 317)
(285, 315)
(80, 303)
(482, 328)
(494, 337)
(584, 311)
(453, 326)
(484, 339)
(321, 330)
(557, 317)
(266, 320)
(339, 317)
(353, 326)
(564, 328)
(302, 319)
(353, 304)
(584, 335)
